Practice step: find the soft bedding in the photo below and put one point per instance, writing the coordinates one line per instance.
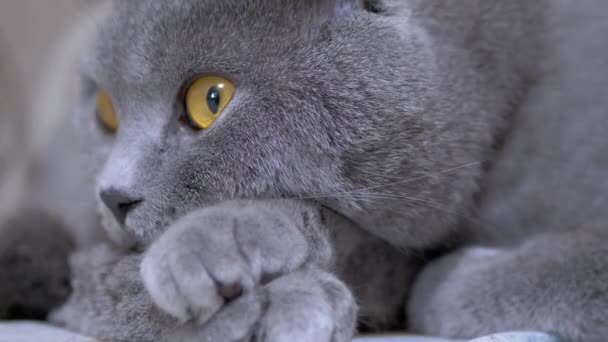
(36, 332)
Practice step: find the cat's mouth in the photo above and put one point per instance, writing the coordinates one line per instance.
(119, 234)
(139, 228)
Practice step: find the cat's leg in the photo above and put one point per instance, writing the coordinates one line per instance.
(556, 283)
(217, 255)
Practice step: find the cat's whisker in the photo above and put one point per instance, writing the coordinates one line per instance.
(378, 174)
(397, 183)
(370, 197)
(436, 205)
(352, 198)
(419, 178)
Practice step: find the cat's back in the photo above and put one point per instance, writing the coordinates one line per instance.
(552, 172)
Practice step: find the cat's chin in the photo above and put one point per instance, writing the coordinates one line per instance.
(118, 236)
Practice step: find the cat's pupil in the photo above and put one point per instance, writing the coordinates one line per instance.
(213, 100)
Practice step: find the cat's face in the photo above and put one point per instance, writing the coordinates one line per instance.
(324, 99)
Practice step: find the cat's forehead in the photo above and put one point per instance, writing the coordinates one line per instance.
(169, 38)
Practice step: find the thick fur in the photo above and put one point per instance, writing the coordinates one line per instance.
(365, 138)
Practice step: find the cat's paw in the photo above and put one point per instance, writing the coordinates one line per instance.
(308, 305)
(191, 275)
(213, 256)
(452, 293)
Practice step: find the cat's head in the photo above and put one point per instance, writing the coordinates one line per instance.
(316, 99)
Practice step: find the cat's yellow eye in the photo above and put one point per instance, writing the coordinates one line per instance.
(105, 111)
(206, 99)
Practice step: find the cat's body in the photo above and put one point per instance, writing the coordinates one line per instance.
(365, 139)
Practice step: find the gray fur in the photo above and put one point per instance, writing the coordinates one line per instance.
(399, 129)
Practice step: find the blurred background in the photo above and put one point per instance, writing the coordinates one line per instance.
(31, 28)
(31, 32)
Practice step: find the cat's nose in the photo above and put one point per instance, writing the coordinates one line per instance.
(119, 202)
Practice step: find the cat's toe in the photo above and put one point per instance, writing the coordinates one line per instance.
(307, 306)
(280, 325)
(180, 285)
(192, 273)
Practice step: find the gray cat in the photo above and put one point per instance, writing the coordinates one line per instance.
(288, 166)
